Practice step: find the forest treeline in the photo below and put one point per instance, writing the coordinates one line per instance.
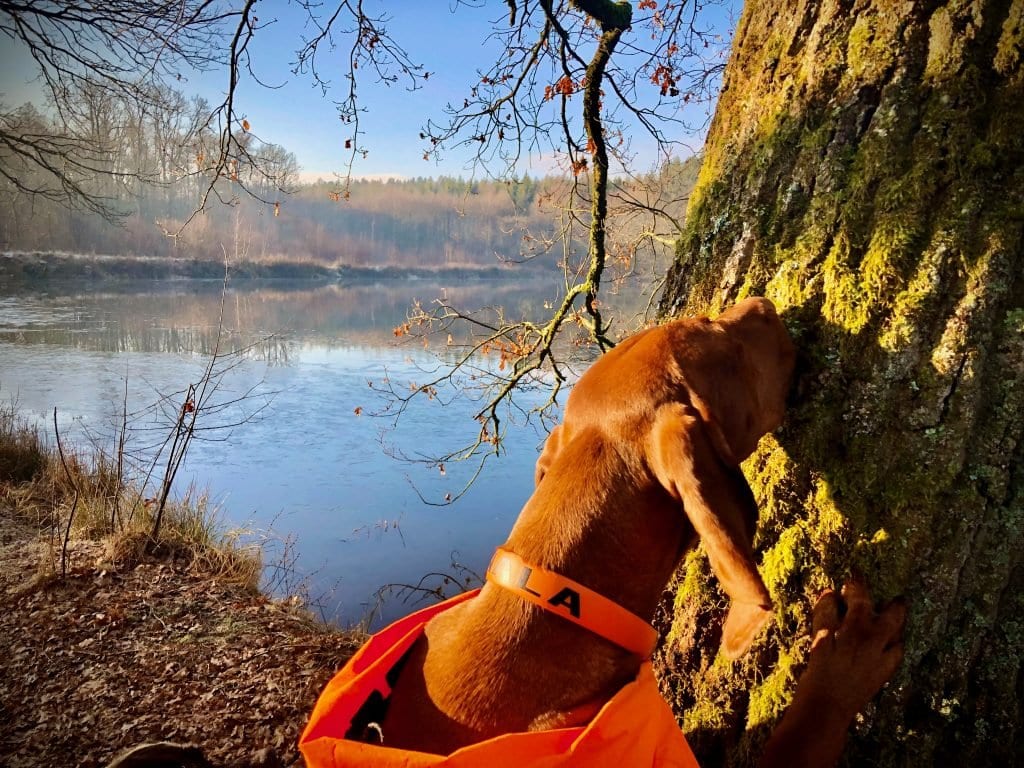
(152, 169)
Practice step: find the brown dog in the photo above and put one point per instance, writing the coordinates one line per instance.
(654, 429)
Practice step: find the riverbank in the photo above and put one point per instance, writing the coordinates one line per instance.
(125, 641)
(29, 268)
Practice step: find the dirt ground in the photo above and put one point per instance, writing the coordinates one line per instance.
(108, 659)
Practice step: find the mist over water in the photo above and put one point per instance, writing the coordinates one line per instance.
(306, 466)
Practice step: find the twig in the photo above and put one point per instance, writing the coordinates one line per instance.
(74, 505)
(115, 516)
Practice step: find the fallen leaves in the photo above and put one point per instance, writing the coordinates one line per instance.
(109, 659)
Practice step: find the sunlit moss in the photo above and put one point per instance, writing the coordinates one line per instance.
(771, 697)
(920, 290)
(695, 582)
(940, 42)
(788, 286)
(828, 519)
(887, 218)
(707, 714)
(870, 47)
(767, 470)
(844, 306)
(1009, 50)
(784, 560)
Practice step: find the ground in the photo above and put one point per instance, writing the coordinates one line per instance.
(108, 658)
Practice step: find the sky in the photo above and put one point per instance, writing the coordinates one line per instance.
(449, 39)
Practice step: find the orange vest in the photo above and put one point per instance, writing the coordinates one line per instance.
(634, 729)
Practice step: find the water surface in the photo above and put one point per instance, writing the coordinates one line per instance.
(309, 461)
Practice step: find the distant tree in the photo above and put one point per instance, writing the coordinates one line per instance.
(96, 60)
(574, 78)
(88, 57)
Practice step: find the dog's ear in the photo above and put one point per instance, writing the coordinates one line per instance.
(723, 512)
(547, 456)
(737, 370)
(768, 357)
(721, 386)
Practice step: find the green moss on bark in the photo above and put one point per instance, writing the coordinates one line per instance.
(868, 177)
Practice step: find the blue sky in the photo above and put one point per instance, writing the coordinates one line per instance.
(451, 46)
(449, 39)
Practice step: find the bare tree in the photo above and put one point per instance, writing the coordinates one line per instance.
(575, 78)
(89, 57)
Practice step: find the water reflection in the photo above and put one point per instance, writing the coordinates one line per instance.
(315, 465)
(183, 317)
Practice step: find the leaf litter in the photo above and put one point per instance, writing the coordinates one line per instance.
(112, 658)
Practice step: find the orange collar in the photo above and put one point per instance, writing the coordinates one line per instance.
(573, 602)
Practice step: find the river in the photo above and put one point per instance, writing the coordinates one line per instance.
(313, 466)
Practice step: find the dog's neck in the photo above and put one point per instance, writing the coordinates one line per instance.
(625, 548)
(572, 601)
(615, 553)
(498, 664)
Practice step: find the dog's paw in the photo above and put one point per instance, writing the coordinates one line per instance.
(741, 626)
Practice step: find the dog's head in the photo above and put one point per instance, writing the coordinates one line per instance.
(737, 370)
(696, 395)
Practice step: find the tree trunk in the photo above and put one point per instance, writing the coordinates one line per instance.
(865, 171)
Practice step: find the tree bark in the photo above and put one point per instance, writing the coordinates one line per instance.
(865, 171)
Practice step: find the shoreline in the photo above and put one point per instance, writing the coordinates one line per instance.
(119, 631)
(30, 268)
(160, 650)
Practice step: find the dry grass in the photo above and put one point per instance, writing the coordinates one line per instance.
(106, 659)
(41, 490)
(22, 452)
(147, 633)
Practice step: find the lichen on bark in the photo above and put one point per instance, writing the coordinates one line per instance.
(865, 171)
